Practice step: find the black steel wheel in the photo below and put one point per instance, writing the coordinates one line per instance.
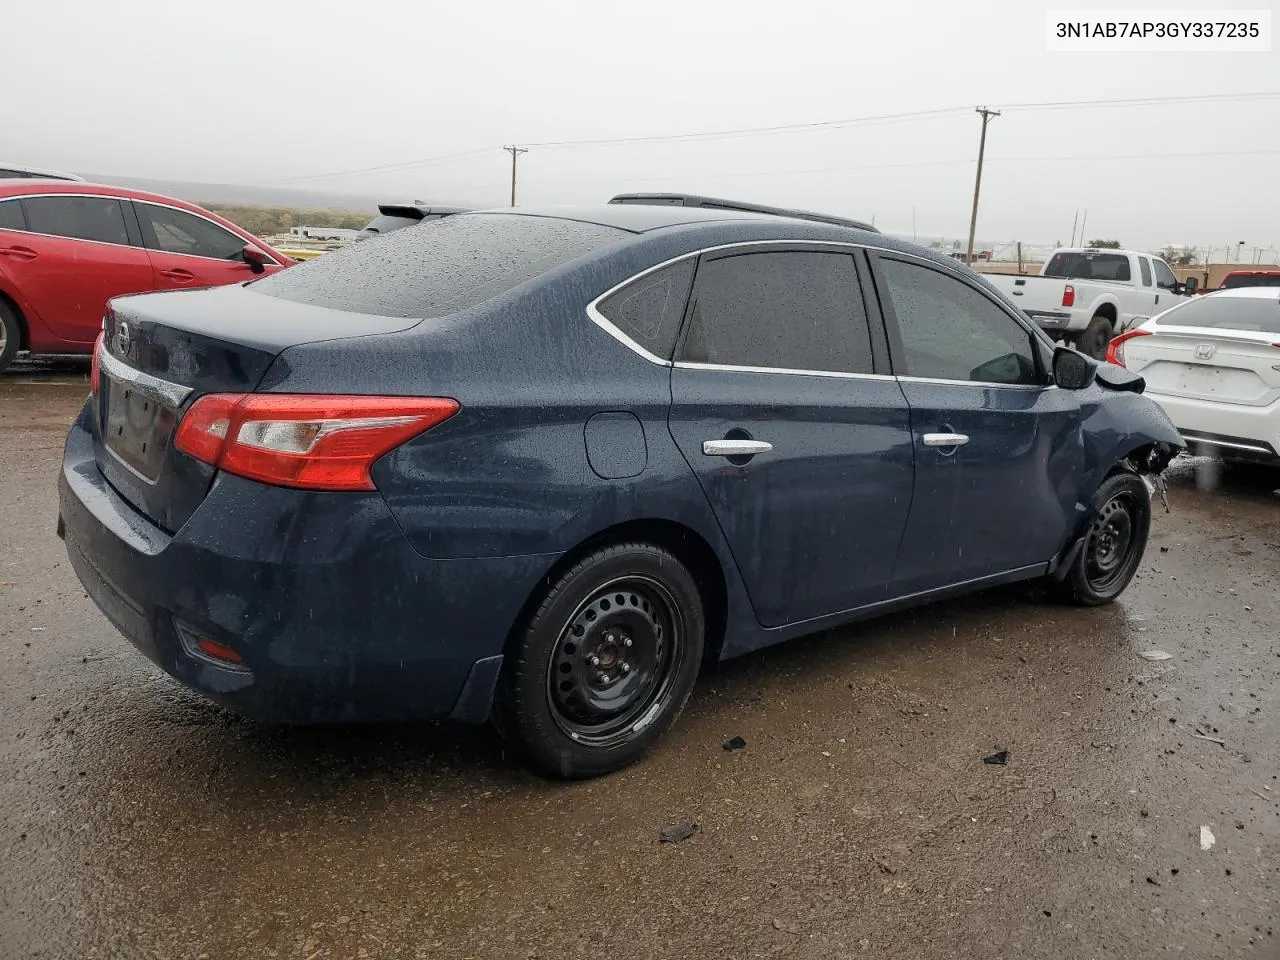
(1114, 542)
(1096, 338)
(605, 662)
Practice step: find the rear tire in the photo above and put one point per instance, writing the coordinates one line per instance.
(605, 663)
(1115, 541)
(10, 335)
(1096, 337)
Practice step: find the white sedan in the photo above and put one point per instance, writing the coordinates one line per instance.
(1213, 363)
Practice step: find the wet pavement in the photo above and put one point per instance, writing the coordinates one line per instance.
(858, 821)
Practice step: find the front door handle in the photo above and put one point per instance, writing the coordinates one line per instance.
(19, 253)
(182, 276)
(945, 439)
(734, 448)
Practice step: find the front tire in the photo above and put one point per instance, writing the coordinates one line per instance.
(605, 663)
(10, 335)
(1114, 544)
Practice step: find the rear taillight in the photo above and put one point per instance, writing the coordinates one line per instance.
(315, 442)
(95, 366)
(1115, 351)
(1068, 296)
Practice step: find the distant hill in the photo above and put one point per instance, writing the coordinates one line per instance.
(232, 193)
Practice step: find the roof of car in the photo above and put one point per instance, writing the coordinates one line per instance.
(641, 218)
(38, 173)
(1253, 293)
(25, 186)
(719, 203)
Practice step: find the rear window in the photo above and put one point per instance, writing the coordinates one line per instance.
(1088, 266)
(438, 268)
(1261, 314)
(1253, 280)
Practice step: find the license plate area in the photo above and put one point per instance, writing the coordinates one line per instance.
(136, 427)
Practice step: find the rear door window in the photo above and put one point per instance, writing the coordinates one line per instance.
(1145, 266)
(950, 331)
(11, 216)
(649, 309)
(789, 310)
(176, 231)
(438, 268)
(80, 218)
(1088, 266)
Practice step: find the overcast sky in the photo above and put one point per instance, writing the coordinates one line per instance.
(274, 92)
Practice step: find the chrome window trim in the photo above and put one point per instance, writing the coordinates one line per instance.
(143, 246)
(161, 391)
(600, 320)
(734, 368)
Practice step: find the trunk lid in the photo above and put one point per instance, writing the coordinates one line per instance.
(162, 351)
(1226, 366)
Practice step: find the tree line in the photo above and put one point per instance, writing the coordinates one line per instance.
(264, 221)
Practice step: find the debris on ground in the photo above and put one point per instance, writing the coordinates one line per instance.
(681, 831)
(1155, 655)
(786, 927)
(998, 759)
(886, 866)
(737, 743)
(1206, 838)
(1201, 736)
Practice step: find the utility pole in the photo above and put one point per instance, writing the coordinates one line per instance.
(515, 152)
(1082, 223)
(977, 183)
(1074, 221)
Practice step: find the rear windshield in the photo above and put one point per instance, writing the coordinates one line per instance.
(1088, 266)
(1260, 314)
(1252, 280)
(438, 268)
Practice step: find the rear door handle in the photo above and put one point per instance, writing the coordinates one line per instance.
(945, 439)
(19, 253)
(177, 273)
(734, 448)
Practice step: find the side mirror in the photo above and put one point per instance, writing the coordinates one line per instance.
(255, 258)
(1190, 285)
(1072, 370)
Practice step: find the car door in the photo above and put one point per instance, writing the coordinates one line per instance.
(191, 251)
(997, 447)
(1167, 294)
(799, 440)
(75, 254)
(1145, 296)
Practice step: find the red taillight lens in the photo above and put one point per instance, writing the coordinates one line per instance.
(316, 442)
(95, 367)
(1068, 296)
(1115, 350)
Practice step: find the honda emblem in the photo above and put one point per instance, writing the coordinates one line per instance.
(1205, 351)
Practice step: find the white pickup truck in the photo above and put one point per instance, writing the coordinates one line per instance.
(1088, 295)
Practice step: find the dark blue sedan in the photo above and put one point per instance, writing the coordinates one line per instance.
(541, 465)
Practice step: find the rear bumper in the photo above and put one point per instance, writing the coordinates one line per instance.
(335, 615)
(1226, 430)
(1050, 320)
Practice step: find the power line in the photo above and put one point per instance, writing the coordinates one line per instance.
(797, 128)
(424, 162)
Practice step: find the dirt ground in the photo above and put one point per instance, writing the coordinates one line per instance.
(859, 821)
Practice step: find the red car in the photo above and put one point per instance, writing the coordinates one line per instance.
(68, 247)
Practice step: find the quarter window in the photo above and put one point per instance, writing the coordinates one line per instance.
(11, 216)
(80, 218)
(649, 309)
(1145, 266)
(950, 331)
(175, 231)
(790, 310)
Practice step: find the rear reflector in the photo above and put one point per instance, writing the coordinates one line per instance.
(311, 441)
(1068, 296)
(95, 367)
(1115, 351)
(219, 651)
